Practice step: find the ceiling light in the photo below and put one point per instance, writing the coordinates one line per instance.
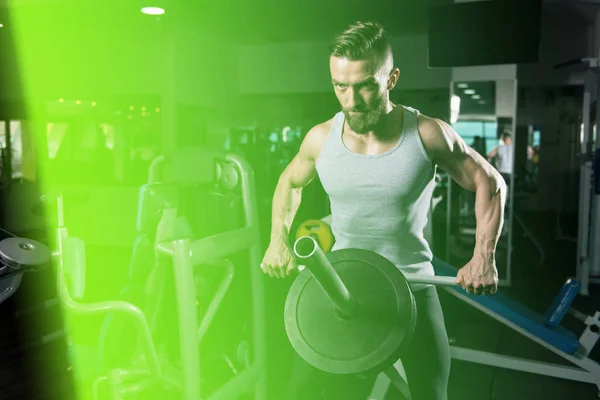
(1, 26)
(476, 97)
(469, 91)
(481, 101)
(462, 86)
(153, 10)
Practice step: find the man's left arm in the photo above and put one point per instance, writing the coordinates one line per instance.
(471, 171)
(492, 154)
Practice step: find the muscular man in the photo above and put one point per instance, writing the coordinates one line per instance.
(503, 156)
(377, 162)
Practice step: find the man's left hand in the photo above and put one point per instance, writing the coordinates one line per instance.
(479, 276)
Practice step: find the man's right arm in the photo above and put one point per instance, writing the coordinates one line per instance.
(298, 174)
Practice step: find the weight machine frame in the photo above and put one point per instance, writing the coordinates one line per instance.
(186, 254)
(185, 166)
(588, 243)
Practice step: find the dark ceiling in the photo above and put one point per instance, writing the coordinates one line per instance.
(245, 21)
(92, 39)
(317, 19)
(284, 18)
(241, 20)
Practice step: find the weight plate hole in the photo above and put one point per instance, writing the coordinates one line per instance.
(26, 246)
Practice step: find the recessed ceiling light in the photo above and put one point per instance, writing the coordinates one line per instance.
(153, 10)
(469, 91)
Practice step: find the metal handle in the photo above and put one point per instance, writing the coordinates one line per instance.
(429, 279)
(425, 279)
(307, 249)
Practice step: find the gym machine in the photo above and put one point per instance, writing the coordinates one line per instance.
(588, 234)
(588, 243)
(184, 258)
(20, 256)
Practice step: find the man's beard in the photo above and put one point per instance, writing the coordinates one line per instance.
(368, 117)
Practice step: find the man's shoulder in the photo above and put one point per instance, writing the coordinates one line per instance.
(316, 136)
(323, 128)
(430, 129)
(437, 135)
(319, 132)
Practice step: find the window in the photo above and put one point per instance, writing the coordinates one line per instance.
(487, 130)
(535, 141)
(3, 133)
(55, 133)
(16, 149)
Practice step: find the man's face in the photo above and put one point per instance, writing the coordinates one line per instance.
(362, 87)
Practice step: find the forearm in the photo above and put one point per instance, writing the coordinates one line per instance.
(286, 201)
(489, 211)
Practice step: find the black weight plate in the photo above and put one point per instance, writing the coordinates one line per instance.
(21, 252)
(371, 340)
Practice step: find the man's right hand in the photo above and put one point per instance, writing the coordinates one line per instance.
(279, 260)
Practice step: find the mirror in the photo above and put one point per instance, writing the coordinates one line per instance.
(483, 114)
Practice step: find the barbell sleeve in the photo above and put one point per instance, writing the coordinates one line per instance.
(307, 249)
(429, 279)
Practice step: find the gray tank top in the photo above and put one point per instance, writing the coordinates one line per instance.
(504, 158)
(381, 202)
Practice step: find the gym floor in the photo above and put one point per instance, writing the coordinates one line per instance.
(27, 375)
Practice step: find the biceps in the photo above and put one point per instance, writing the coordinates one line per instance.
(301, 171)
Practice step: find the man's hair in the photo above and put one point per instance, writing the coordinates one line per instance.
(506, 135)
(360, 38)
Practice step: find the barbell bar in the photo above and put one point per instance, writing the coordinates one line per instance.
(307, 249)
